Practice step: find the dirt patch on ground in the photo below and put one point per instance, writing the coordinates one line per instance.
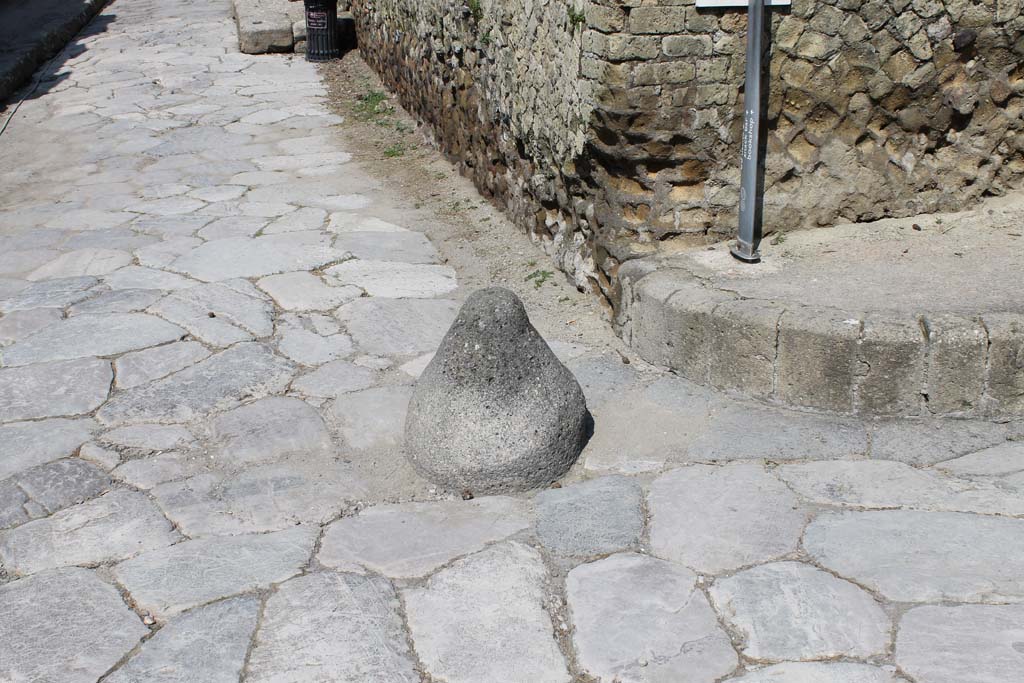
(472, 235)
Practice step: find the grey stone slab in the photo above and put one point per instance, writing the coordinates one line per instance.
(14, 504)
(1001, 460)
(26, 444)
(140, 367)
(11, 286)
(911, 556)
(311, 488)
(50, 294)
(161, 254)
(962, 643)
(747, 431)
(596, 517)
(207, 645)
(197, 139)
(603, 378)
(371, 418)
(64, 626)
(147, 472)
(221, 381)
(410, 540)
(482, 618)
(117, 301)
(242, 257)
(218, 193)
(303, 291)
(302, 639)
(793, 611)
(232, 226)
(719, 518)
(267, 430)
(640, 619)
(170, 580)
(925, 442)
(70, 387)
(818, 672)
(407, 247)
(347, 222)
(398, 327)
(220, 313)
(123, 239)
(148, 438)
(53, 486)
(20, 324)
(306, 218)
(92, 335)
(139, 277)
(886, 484)
(335, 378)
(395, 280)
(670, 412)
(21, 261)
(92, 261)
(111, 527)
(309, 348)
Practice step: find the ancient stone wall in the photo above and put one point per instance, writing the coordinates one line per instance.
(609, 128)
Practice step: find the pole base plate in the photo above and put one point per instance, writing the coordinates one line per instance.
(744, 252)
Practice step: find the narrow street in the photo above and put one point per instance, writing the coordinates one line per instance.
(211, 319)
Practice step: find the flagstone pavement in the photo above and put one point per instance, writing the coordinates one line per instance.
(211, 321)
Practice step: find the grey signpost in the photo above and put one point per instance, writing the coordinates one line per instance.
(747, 247)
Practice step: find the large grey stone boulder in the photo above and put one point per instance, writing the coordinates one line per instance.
(495, 410)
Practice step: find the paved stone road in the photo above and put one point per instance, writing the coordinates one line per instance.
(210, 327)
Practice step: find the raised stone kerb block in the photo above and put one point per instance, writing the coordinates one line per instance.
(1005, 372)
(742, 346)
(957, 349)
(817, 358)
(263, 27)
(892, 359)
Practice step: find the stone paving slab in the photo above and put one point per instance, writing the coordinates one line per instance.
(112, 527)
(242, 484)
(207, 645)
(64, 625)
(483, 619)
(170, 580)
(332, 626)
(664, 628)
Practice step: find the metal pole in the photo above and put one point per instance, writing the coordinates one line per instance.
(746, 247)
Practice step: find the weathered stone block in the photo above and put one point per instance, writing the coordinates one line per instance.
(892, 366)
(687, 46)
(817, 358)
(269, 33)
(742, 346)
(605, 19)
(657, 20)
(1006, 362)
(956, 363)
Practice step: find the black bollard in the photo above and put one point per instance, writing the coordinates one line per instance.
(322, 41)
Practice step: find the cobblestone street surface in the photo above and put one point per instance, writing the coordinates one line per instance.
(211, 322)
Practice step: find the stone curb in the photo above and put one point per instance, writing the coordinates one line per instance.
(862, 363)
(263, 27)
(46, 46)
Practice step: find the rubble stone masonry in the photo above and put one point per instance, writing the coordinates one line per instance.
(609, 128)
